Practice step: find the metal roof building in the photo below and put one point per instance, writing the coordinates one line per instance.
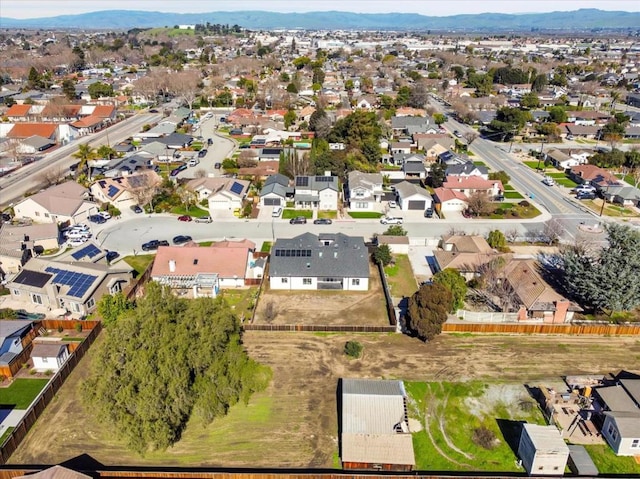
(375, 431)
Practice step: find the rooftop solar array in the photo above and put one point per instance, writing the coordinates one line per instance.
(292, 253)
(324, 179)
(79, 282)
(32, 278)
(302, 181)
(90, 250)
(112, 191)
(237, 188)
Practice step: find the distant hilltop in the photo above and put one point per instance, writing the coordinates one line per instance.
(579, 20)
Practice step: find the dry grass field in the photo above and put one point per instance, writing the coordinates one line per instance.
(294, 422)
(327, 307)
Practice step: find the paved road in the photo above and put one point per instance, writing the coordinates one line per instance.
(32, 177)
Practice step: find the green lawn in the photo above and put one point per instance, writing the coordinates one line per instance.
(6, 434)
(266, 247)
(194, 211)
(242, 301)
(562, 179)
(508, 188)
(513, 195)
(627, 178)
(534, 164)
(288, 214)
(139, 262)
(359, 215)
(400, 276)
(608, 463)
(479, 163)
(332, 215)
(22, 392)
(451, 412)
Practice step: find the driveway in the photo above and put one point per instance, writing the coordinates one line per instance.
(420, 257)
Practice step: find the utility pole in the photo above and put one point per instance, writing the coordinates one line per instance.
(540, 157)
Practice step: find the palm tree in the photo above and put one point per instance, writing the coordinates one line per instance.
(84, 154)
(615, 96)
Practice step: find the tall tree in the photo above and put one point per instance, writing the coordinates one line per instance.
(607, 281)
(452, 280)
(427, 310)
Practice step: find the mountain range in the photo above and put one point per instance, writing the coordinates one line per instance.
(579, 20)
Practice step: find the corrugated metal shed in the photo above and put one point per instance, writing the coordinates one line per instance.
(580, 462)
(546, 439)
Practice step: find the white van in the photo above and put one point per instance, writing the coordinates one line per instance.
(277, 211)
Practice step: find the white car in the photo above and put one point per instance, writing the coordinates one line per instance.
(392, 204)
(78, 227)
(391, 220)
(549, 181)
(105, 215)
(76, 234)
(77, 242)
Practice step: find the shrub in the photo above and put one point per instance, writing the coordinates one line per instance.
(7, 313)
(484, 438)
(79, 327)
(524, 204)
(33, 372)
(48, 372)
(353, 349)
(60, 329)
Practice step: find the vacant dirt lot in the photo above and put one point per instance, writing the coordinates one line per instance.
(326, 307)
(294, 422)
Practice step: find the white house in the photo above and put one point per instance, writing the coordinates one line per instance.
(275, 191)
(49, 356)
(365, 190)
(124, 191)
(326, 261)
(61, 203)
(542, 450)
(317, 192)
(413, 197)
(221, 193)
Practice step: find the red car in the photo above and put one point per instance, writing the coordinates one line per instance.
(185, 218)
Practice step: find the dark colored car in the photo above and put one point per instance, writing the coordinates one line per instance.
(322, 221)
(185, 218)
(153, 110)
(181, 239)
(217, 166)
(428, 213)
(298, 220)
(97, 219)
(150, 245)
(177, 170)
(111, 255)
(136, 209)
(586, 195)
(202, 153)
(210, 141)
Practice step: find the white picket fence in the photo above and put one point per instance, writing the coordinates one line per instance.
(482, 317)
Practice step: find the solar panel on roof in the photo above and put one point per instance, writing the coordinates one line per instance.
(90, 250)
(302, 181)
(78, 283)
(112, 191)
(32, 278)
(324, 179)
(237, 188)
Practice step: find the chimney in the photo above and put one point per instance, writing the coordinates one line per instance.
(560, 314)
(172, 266)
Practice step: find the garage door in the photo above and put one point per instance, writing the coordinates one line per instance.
(272, 201)
(417, 205)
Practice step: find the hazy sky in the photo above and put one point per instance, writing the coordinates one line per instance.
(49, 8)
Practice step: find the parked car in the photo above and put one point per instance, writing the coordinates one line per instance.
(105, 214)
(177, 170)
(204, 219)
(586, 195)
(392, 204)
(154, 244)
(202, 153)
(457, 134)
(277, 211)
(428, 213)
(193, 162)
(217, 166)
(181, 239)
(77, 234)
(322, 221)
(75, 242)
(185, 218)
(549, 181)
(136, 209)
(111, 255)
(79, 227)
(97, 219)
(585, 187)
(298, 220)
(391, 220)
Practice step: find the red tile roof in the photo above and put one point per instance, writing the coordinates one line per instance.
(25, 130)
(227, 262)
(444, 194)
(18, 110)
(87, 122)
(61, 110)
(470, 183)
(103, 111)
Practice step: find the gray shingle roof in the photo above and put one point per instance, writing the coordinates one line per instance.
(344, 256)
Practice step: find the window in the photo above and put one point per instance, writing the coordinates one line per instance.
(355, 282)
(45, 360)
(36, 298)
(635, 443)
(37, 213)
(91, 303)
(613, 432)
(16, 292)
(46, 215)
(306, 281)
(75, 307)
(284, 280)
(361, 205)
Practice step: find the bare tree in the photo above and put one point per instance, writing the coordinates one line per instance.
(512, 235)
(470, 137)
(185, 85)
(144, 194)
(51, 176)
(201, 173)
(552, 231)
(479, 203)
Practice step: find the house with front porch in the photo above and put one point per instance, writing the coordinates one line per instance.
(412, 197)
(220, 193)
(125, 191)
(467, 170)
(473, 184)
(316, 192)
(276, 191)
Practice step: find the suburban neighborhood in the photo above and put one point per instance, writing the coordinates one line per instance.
(336, 251)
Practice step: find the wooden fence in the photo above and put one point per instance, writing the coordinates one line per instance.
(47, 394)
(391, 309)
(11, 369)
(568, 329)
(68, 324)
(136, 289)
(319, 328)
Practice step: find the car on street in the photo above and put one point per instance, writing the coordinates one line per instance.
(457, 134)
(202, 153)
(298, 220)
(181, 239)
(322, 221)
(185, 218)
(154, 244)
(217, 166)
(97, 219)
(177, 170)
(105, 214)
(136, 209)
(193, 162)
(549, 181)
(204, 219)
(391, 220)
